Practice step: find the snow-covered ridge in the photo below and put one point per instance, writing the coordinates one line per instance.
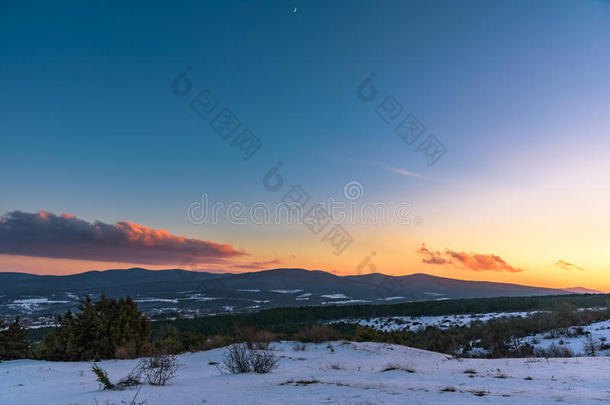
(351, 373)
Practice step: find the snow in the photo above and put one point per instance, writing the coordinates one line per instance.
(199, 297)
(398, 297)
(351, 374)
(37, 301)
(173, 301)
(414, 323)
(33, 303)
(600, 332)
(344, 302)
(286, 291)
(334, 296)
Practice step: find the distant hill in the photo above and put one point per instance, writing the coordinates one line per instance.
(161, 291)
(582, 290)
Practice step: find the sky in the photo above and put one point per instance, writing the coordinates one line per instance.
(461, 139)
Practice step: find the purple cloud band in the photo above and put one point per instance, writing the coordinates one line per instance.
(45, 234)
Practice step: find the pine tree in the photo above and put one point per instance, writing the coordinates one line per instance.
(590, 347)
(97, 332)
(13, 341)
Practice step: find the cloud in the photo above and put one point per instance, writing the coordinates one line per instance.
(393, 169)
(481, 262)
(258, 265)
(567, 266)
(432, 257)
(472, 261)
(400, 171)
(45, 234)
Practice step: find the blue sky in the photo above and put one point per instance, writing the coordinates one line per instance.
(516, 91)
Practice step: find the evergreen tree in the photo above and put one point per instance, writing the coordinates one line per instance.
(590, 347)
(97, 331)
(13, 341)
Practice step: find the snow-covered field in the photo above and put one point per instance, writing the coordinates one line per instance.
(414, 323)
(351, 374)
(600, 333)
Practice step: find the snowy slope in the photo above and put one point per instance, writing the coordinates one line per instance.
(600, 333)
(414, 323)
(352, 374)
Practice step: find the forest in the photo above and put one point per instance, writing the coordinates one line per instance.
(112, 328)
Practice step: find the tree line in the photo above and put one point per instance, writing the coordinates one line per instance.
(112, 328)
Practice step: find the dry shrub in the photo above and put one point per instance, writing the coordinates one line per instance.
(317, 334)
(132, 379)
(398, 366)
(554, 351)
(299, 347)
(157, 369)
(262, 339)
(214, 342)
(240, 359)
(263, 361)
(237, 358)
(256, 339)
(127, 351)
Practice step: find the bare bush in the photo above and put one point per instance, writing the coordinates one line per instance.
(240, 359)
(554, 351)
(299, 347)
(336, 366)
(157, 369)
(263, 361)
(399, 366)
(131, 380)
(237, 358)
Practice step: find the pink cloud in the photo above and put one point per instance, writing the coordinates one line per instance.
(472, 261)
(432, 257)
(568, 266)
(481, 262)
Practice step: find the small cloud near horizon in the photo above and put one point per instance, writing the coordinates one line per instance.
(472, 261)
(257, 265)
(432, 257)
(567, 266)
(65, 236)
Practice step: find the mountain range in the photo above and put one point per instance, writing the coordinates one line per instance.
(199, 293)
